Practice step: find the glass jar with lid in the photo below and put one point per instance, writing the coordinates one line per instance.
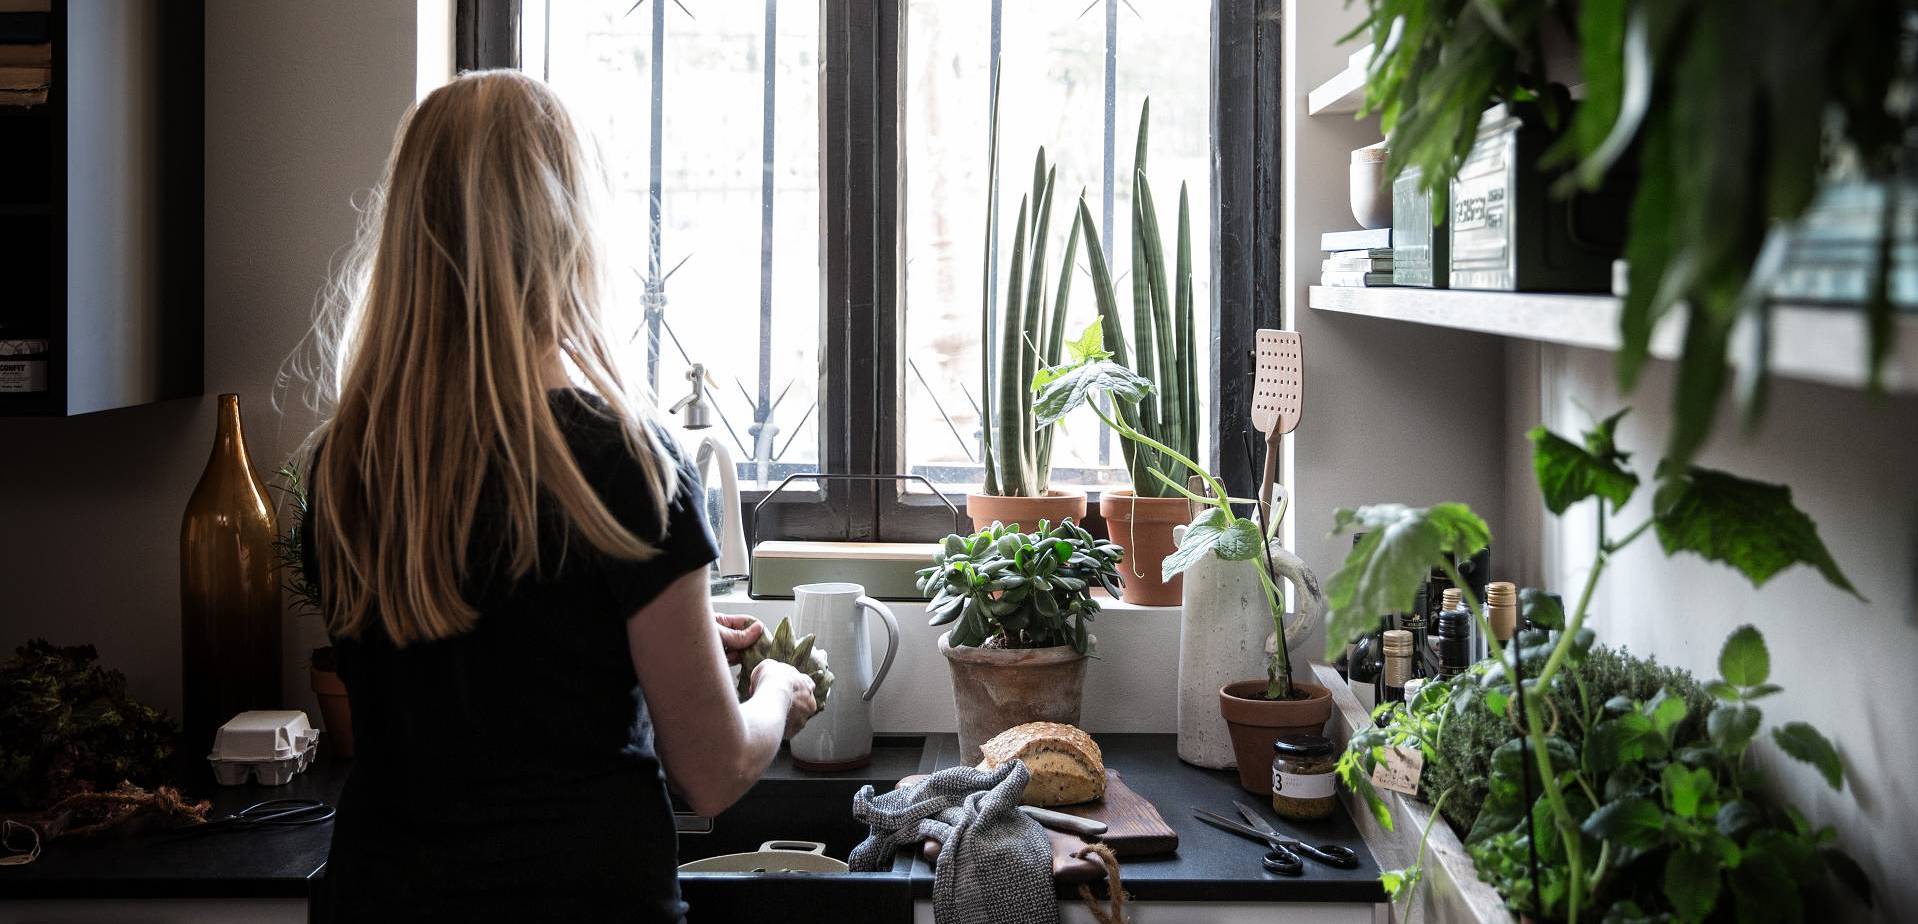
(1304, 787)
(23, 366)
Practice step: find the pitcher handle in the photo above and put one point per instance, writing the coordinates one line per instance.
(892, 642)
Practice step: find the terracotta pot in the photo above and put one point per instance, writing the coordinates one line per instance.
(336, 715)
(1143, 525)
(1055, 505)
(994, 689)
(1256, 723)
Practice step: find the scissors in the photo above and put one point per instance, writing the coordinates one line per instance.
(273, 813)
(1284, 856)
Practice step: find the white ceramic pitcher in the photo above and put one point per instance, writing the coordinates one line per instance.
(840, 736)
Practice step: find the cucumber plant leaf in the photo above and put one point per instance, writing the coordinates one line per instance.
(1749, 525)
(1569, 473)
(1397, 553)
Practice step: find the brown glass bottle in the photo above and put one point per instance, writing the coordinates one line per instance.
(229, 591)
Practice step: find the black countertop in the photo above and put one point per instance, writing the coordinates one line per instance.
(1210, 865)
(233, 863)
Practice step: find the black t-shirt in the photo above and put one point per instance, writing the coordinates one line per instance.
(509, 773)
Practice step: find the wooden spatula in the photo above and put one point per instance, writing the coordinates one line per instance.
(1278, 399)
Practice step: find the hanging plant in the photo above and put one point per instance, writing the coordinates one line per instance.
(1732, 115)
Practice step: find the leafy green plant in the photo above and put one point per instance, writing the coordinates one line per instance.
(779, 645)
(1596, 765)
(1095, 374)
(288, 552)
(1162, 331)
(1017, 454)
(1003, 588)
(1730, 115)
(68, 726)
(289, 556)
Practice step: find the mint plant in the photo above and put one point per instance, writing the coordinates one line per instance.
(1020, 590)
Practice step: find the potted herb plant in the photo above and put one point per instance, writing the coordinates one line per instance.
(1017, 455)
(1020, 607)
(1143, 516)
(1257, 712)
(1633, 779)
(336, 714)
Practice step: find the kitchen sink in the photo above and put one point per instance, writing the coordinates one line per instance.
(794, 805)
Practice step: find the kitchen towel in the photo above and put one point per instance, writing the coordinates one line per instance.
(995, 864)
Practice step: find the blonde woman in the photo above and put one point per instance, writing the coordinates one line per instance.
(514, 567)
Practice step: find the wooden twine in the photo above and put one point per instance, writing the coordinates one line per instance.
(1104, 914)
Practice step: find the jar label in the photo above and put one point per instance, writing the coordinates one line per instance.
(1302, 785)
(23, 376)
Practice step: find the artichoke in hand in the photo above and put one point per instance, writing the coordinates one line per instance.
(778, 645)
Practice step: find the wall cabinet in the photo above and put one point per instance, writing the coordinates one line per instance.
(101, 208)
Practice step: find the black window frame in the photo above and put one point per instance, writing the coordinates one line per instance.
(862, 385)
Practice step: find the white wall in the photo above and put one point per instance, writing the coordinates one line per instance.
(301, 103)
(1393, 412)
(1846, 665)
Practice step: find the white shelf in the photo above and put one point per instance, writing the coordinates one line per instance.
(1812, 343)
(1345, 92)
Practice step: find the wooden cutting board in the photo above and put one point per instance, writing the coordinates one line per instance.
(1134, 828)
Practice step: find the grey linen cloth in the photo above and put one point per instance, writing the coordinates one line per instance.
(995, 864)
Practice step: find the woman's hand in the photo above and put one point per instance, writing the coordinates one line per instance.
(737, 633)
(779, 679)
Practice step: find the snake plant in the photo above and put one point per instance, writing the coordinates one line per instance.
(1162, 329)
(1018, 454)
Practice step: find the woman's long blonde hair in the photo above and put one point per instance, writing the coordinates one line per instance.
(478, 272)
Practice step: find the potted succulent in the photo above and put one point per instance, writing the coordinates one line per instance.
(1257, 712)
(336, 715)
(1142, 517)
(1017, 456)
(1020, 607)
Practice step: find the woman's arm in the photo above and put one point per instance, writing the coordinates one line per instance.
(712, 746)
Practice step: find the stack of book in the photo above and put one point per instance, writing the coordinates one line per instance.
(26, 52)
(1356, 258)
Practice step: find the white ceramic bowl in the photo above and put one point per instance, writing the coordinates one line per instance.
(1371, 193)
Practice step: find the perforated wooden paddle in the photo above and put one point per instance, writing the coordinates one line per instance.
(1278, 399)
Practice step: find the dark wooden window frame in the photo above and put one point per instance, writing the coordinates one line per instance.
(862, 387)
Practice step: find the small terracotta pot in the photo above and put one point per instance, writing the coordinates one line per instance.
(1256, 723)
(336, 715)
(1143, 526)
(1053, 506)
(994, 689)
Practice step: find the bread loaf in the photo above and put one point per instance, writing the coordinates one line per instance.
(1065, 762)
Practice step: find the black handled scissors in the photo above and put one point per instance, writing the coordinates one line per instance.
(1285, 853)
(273, 813)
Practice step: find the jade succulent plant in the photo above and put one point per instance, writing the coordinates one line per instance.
(779, 645)
(1003, 588)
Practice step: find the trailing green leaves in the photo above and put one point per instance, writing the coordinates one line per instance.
(1750, 525)
(1385, 568)
(1716, 112)
(1061, 390)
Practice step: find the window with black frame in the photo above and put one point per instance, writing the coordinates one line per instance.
(799, 207)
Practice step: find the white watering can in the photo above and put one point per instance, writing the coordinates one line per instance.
(840, 736)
